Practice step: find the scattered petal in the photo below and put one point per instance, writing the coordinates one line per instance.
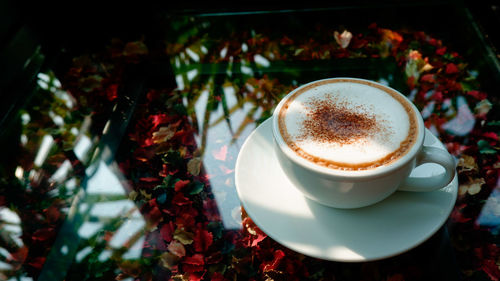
(169, 260)
(163, 134)
(186, 238)
(177, 248)
(194, 166)
(472, 188)
(467, 163)
(181, 184)
(221, 154)
(180, 200)
(343, 39)
(451, 68)
(202, 240)
(483, 107)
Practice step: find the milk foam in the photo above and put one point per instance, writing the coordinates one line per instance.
(391, 118)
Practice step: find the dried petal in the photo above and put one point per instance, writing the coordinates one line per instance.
(163, 134)
(467, 163)
(483, 107)
(343, 39)
(451, 68)
(202, 240)
(473, 187)
(169, 260)
(180, 200)
(177, 248)
(167, 231)
(194, 166)
(184, 237)
(180, 277)
(179, 185)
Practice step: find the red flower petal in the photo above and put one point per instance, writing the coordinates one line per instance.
(491, 268)
(273, 265)
(429, 78)
(196, 259)
(180, 199)
(202, 240)
(159, 119)
(197, 276)
(451, 68)
(476, 94)
(112, 92)
(441, 51)
(259, 237)
(491, 135)
(181, 184)
(154, 216)
(149, 179)
(167, 231)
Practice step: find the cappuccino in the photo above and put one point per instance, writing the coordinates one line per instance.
(348, 124)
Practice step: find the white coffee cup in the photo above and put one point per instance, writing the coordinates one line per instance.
(349, 143)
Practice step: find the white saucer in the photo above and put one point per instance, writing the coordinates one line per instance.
(395, 225)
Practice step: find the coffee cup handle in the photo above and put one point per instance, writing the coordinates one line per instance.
(429, 154)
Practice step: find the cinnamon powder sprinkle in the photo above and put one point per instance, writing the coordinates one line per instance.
(331, 121)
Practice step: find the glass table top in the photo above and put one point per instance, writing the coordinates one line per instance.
(120, 165)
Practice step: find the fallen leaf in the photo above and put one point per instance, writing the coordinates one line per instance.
(177, 248)
(194, 166)
(163, 134)
(186, 238)
(133, 195)
(483, 107)
(473, 187)
(196, 188)
(169, 260)
(467, 163)
(145, 194)
(180, 277)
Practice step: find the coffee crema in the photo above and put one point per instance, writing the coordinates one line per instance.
(348, 124)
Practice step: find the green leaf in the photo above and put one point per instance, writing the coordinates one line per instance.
(493, 123)
(196, 187)
(216, 228)
(485, 147)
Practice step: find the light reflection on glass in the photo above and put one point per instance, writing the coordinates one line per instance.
(490, 214)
